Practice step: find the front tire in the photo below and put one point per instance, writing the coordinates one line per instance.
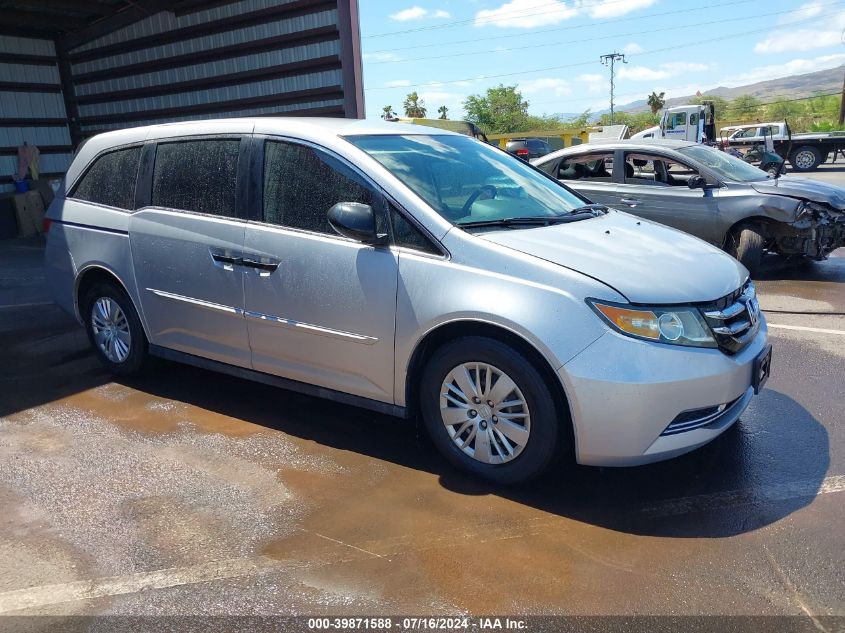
(489, 411)
(114, 329)
(747, 245)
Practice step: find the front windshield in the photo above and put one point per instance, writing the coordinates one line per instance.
(726, 166)
(465, 180)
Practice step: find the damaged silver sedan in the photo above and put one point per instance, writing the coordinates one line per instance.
(708, 193)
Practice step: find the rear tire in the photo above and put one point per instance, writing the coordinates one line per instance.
(806, 158)
(114, 329)
(502, 444)
(746, 244)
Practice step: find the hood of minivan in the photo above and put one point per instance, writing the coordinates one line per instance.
(804, 188)
(644, 261)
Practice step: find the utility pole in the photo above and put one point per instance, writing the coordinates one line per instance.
(610, 60)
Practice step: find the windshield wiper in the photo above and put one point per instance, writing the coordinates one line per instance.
(542, 220)
(528, 221)
(590, 207)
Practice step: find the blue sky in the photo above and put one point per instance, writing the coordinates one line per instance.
(448, 49)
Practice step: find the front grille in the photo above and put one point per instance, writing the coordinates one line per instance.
(696, 418)
(734, 318)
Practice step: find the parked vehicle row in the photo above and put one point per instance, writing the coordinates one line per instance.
(707, 193)
(410, 271)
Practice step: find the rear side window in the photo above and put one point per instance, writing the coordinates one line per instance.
(301, 184)
(111, 179)
(196, 176)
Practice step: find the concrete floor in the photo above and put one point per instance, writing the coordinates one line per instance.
(191, 492)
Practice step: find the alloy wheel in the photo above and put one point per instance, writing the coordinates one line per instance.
(111, 330)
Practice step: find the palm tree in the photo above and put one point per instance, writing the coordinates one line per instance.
(388, 112)
(656, 101)
(414, 106)
(442, 110)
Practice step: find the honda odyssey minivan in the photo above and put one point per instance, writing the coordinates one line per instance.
(410, 271)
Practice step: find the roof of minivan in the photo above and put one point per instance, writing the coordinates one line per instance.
(295, 126)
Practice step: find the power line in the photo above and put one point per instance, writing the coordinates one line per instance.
(560, 28)
(592, 39)
(586, 63)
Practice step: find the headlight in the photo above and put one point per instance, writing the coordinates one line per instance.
(676, 326)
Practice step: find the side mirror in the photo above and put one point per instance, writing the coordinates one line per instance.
(697, 182)
(355, 221)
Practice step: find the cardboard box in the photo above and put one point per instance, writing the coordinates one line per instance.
(29, 211)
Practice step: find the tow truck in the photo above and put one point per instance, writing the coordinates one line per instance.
(805, 152)
(696, 123)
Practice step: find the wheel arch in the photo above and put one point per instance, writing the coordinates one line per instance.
(93, 274)
(759, 222)
(442, 334)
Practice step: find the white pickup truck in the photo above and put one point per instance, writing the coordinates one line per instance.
(804, 152)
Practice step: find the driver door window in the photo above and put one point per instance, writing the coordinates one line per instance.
(597, 167)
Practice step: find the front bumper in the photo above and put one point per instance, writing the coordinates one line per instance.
(624, 393)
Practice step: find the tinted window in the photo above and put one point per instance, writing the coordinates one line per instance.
(301, 184)
(407, 235)
(111, 179)
(598, 167)
(196, 176)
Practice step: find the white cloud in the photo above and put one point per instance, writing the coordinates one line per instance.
(417, 13)
(595, 82)
(381, 57)
(828, 34)
(527, 14)
(632, 48)
(559, 87)
(793, 67)
(808, 10)
(668, 69)
(613, 8)
(397, 83)
(412, 13)
(641, 73)
(676, 68)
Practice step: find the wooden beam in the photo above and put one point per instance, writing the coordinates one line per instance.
(68, 92)
(350, 51)
(31, 60)
(32, 122)
(12, 150)
(45, 22)
(20, 86)
(79, 6)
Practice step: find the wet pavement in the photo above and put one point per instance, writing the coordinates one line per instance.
(186, 491)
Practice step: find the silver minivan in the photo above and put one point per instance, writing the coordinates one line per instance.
(412, 271)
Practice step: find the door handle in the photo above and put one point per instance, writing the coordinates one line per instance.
(265, 266)
(631, 202)
(226, 259)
